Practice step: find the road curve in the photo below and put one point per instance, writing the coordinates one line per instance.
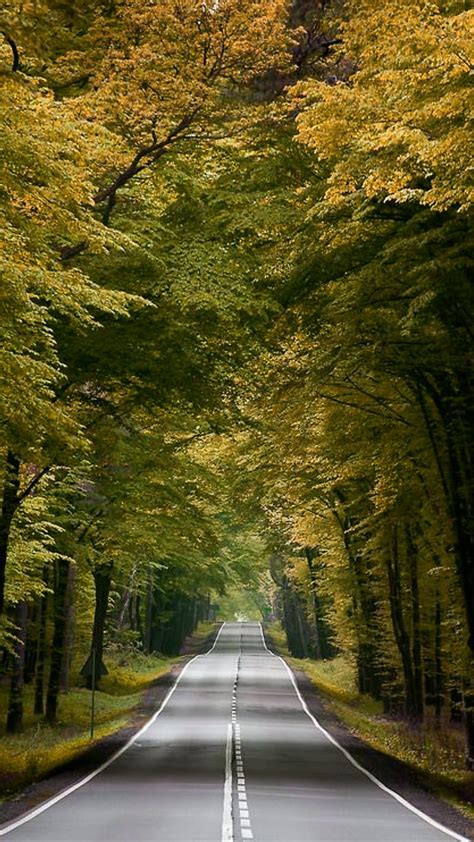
(231, 755)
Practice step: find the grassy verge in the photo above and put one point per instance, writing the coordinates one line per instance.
(435, 755)
(39, 749)
(195, 642)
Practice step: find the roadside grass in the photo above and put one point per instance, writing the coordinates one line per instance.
(39, 748)
(205, 628)
(133, 672)
(435, 755)
(195, 641)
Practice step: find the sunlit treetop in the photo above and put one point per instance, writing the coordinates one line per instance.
(399, 128)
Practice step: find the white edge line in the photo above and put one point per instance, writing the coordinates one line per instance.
(59, 797)
(210, 650)
(354, 762)
(227, 824)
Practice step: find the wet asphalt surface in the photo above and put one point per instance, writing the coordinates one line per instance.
(289, 782)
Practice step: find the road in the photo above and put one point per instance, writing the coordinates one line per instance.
(231, 756)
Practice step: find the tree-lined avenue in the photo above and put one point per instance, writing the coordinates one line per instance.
(290, 782)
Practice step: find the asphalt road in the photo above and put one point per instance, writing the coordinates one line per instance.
(232, 755)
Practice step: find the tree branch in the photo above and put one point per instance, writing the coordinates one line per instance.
(15, 53)
(355, 406)
(33, 483)
(70, 251)
(380, 401)
(145, 157)
(89, 525)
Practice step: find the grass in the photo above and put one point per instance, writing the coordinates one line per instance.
(204, 630)
(435, 755)
(39, 748)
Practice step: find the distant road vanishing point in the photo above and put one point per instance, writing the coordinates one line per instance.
(232, 754)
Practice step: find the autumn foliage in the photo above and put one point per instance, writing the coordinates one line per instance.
(236, 319)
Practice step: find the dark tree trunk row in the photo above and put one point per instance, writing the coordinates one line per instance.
(15, 701)
(10, 504)
(401, 635)
(41, 649)
(102, 581)
(370, 673)
(61, 578)
(322, 645)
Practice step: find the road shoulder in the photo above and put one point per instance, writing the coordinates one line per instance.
(392, 772)
(69, 774)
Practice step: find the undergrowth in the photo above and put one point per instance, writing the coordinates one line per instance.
(39, 748)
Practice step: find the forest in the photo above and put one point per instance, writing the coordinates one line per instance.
(236, 338)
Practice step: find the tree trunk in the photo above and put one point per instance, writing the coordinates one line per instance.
(469, 729)
(293, 622)
(196, 614)
(15, 701)
(468, 711)
(132, 612)
(148, 614)
(61, 576)
(438, 662)
(456, 476)
(156, 623)
(69, 630)
(31, 644)
(401, 635)
(301, 627)
(102, 580)
(41, 651)
(462, 506)
(9, 506)
(138, 618)
(126, 597)
(309, 555)
(412, 558)
(456, 700)
(171, 628)
(365, 619)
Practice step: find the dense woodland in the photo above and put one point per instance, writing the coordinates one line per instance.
(236, 320)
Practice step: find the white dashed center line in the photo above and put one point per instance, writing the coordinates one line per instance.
(245, 824)
(244, 818)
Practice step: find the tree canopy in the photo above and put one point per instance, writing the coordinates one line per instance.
(237, 333)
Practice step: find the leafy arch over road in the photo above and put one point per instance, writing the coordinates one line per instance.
(237, 327)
